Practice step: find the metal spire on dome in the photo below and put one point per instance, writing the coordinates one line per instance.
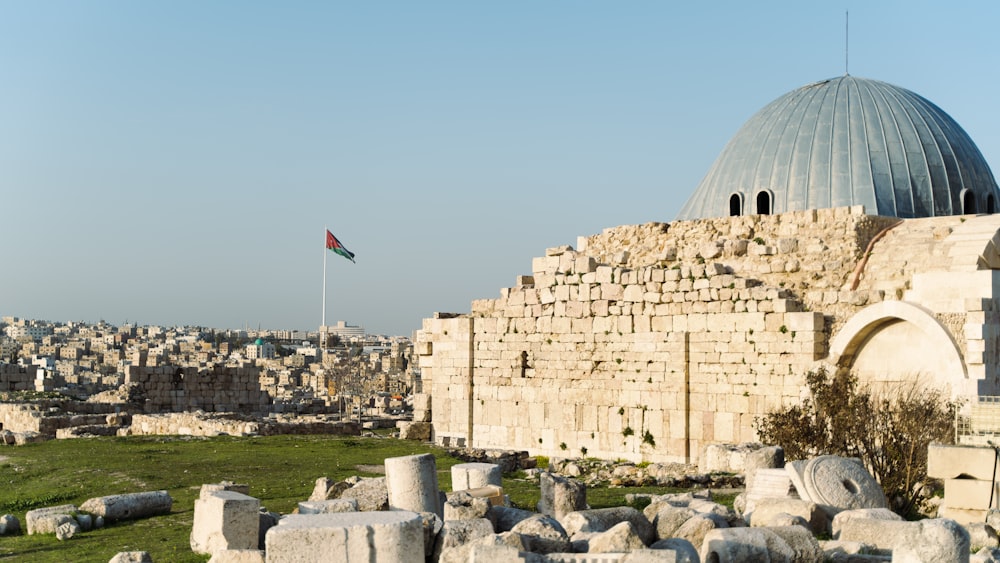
(847, 41)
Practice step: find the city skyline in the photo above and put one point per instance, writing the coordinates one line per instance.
(178, 163)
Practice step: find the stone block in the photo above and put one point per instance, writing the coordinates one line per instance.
(46, 520)
(542, 534)
(457, 533)
(971, 494)
(137, 557)
(328, 506)
(620, 538)
(225, 520)
(129, 506)
(474, 475)
(603, 519)
(950, 462)
(237, 556)
(560, 496)
(349, 537)
(739, 545)
(765, 511)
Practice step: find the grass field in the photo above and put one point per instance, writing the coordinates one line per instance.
(280, 470)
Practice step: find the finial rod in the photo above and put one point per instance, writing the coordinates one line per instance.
(847, 41)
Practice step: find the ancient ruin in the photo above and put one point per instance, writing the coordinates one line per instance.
(808, 244)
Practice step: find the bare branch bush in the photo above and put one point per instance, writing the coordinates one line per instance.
(889, 430)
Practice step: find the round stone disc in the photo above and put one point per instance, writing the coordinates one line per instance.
(841, 483)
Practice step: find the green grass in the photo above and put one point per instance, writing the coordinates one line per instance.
(280, 470)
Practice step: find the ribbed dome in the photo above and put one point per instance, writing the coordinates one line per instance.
(848, 141)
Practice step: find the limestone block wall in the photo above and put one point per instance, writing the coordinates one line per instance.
(218, 389)
(656, 339)
(644, 364)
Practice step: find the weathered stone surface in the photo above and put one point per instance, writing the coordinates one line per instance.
(504, 518)
(67, 530)
(370, 494)
(842, 518)
(802, 542)
(740, 545)
(684, 552)
(238, 556)
(86, 521)
(456, 533)
(412, 484)
(982, 535)
(667, 518)
(542, 534)
(463, 506)
(767, 457)
(46, 520)
(132, 557)
(326, 506)
(321, 489)
(621, 537)
(947, 461)
(474, 475)
(225, 520)
(560, 496)
(985, 555)
(351, 537)
(889, 536)
(463, 553)
(837, 551)
(698, 526)
(419, 431)
(836, 483)
(766, 510)
(9, 524)
(937, 540)
(130, 506)
(603, 519)
(267, 521)
(432, 524)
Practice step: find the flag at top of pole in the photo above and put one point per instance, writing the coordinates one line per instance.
(333, 244)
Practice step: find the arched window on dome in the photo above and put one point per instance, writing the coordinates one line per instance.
(990, 204)
(763, 201)
(735, 204)
(968, 202)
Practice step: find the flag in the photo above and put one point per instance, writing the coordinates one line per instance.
(333, 244)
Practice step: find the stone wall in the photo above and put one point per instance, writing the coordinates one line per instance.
(215, 424)
(218, 389)
(14, 377)
(654, 340)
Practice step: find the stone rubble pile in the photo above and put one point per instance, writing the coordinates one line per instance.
(404, 517)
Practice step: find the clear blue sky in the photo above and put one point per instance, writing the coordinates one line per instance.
(176, 162)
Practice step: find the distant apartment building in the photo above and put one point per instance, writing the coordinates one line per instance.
(260, 350)
(34, 332)
(344, 331)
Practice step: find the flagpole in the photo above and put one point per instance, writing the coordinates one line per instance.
(323, 316)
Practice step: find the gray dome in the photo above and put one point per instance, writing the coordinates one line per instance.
(848, 141)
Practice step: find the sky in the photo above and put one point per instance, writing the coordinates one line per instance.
(176, 163)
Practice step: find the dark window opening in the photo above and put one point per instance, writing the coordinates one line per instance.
(763, 203)
(990, 205)
(968, 203)
(735, 205)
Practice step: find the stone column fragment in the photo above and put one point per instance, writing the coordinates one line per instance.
(412, 483)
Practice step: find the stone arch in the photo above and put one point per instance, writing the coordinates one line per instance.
(928, 349)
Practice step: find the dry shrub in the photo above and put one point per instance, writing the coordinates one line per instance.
(888, 430)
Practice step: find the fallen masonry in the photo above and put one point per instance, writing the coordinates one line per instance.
(406, 518)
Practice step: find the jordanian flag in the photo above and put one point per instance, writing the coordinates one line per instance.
(333, 244)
